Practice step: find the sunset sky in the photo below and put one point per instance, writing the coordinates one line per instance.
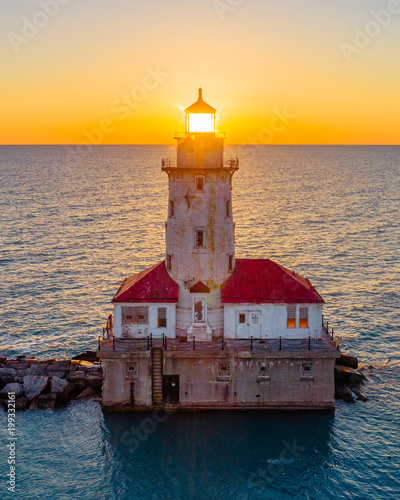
(278, 72)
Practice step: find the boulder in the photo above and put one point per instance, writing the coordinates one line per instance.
(87, 356)
(21, 403)
(345, 375)
(12, 387)
(87, 393)
(7, 373)
(60, 386)
(347, 360)
(344, 393)
(36, 369)
(54, 374)
(34, 385)
(3, 360)
(76, 376)
(94, 381)
(46, 401)
(360, 396)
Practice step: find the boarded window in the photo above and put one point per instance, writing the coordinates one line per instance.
(198, 305)
(199, 183)
(199, 238)
(171, 208)
(224, 371)
(227, 208)
(307, 370)
(291, 316)
(242, 318)
(162, 317)
(264, 368)
(169, 262)
(135, 315)
(230, 262)
(303, 317)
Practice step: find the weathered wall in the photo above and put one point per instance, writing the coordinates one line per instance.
(144, 330)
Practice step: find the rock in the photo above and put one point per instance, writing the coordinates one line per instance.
(347, 360)
(7, 373)
(371, 367)
(76, 376)
(345, 394)
(61, 363)
(34, 385)
(60, 386)
(87, 393)
(21, 403)
(36, 369)
(34, 404)
(21, 356)
(87, 356)
(3, 360)
(54, 374)
(46, 401)
(94, 381)
(56, 368)
(360, 396)
(345, 375)
(12, 387)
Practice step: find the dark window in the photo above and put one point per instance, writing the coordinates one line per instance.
(242, 318)
(199, 183)
(230, 263)
(162, 317)
(227, 209)
(169, 262)
(307, 370)
(171, 208)
(199, 238)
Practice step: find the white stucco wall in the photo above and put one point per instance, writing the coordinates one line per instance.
(135, 331)
(272, 320)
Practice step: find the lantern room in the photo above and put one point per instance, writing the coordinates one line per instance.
(200, 116)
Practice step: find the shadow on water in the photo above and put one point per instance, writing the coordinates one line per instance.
(209, 455)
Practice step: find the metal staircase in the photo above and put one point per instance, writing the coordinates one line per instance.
(157, 375)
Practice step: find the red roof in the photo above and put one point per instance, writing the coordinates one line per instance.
(258, 281)
(199, 287)
(151, 285)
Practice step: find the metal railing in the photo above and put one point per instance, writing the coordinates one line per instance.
(167, 163)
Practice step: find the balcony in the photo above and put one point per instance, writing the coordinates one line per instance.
(172, 163)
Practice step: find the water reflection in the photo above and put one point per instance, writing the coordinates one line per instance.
(218, 454)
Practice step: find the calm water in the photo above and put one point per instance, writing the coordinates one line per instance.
(73, 228)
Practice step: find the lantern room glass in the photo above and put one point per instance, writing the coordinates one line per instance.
(200, 122)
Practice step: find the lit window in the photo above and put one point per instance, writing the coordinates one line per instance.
(171, 208)
(291, 316)
(199, 182)
(199, 235)
(227, 208)
(162, 317)
(303, 317)
(242, 319)
(135, 315)
(169, 262)
(307, 370)
(230, 262)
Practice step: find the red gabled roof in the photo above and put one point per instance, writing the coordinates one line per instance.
(151, 285)
(262, 280)
(199, 287)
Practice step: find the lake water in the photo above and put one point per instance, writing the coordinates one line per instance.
(73, 226)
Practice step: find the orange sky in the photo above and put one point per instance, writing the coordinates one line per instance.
(288, 72)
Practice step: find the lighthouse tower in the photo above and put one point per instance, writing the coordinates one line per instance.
(200, 251)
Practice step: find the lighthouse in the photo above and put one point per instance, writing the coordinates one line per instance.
(200, 250)
(204, 329)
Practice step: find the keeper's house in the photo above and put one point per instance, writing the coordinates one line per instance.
(203, 329)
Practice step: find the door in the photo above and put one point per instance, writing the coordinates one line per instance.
(248, 324)
(171, 388)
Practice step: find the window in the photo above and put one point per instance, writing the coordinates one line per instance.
(291, 317)
(227, 208)
(224, 372)
(135, 315)
(242, 318)
(169, 262)
(303, 317)
(198, 310)
(307, 370)
(171, 208)
(199, 182)
(230, 262)
(263, 369)
(132, 369)
(199, 238)
(162, 317)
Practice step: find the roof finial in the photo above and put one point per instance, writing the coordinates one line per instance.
(200, 93)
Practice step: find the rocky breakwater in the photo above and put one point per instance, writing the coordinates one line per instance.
(48, 383)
